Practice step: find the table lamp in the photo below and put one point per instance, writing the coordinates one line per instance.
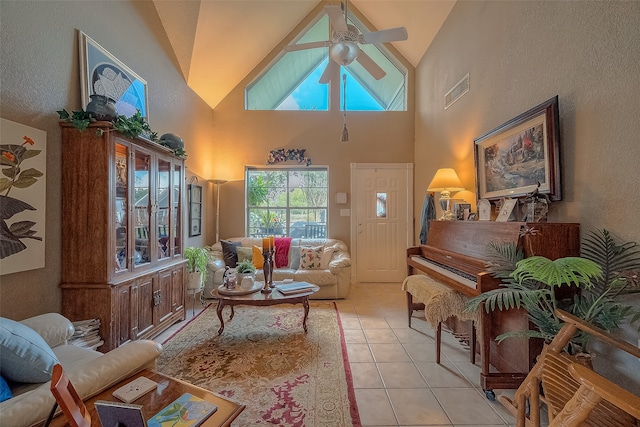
(445, 181)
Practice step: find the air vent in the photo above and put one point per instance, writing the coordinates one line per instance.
(456, 92)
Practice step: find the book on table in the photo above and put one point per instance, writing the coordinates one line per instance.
(186, 411)
(294, 287)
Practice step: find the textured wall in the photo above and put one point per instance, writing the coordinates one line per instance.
(40, 74)
(520, 54)
(246, 137)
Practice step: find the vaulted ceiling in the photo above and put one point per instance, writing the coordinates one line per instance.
(218, 42)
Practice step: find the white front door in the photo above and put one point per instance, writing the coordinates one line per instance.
(381, 220)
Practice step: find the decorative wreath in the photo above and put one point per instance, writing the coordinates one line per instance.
(280, 155)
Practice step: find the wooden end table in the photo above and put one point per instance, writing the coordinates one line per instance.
(168, 390)
(260, 299)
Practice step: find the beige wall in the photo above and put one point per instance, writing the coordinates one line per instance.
(246, 137)
(519, 54)
(40, 74)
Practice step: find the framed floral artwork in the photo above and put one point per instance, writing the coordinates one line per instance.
(521, 155)
(23, 160)
(103, 74)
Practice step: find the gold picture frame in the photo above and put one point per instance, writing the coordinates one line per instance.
(521, 155)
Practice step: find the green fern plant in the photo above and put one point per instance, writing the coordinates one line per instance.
(532, 283)
(245, 266)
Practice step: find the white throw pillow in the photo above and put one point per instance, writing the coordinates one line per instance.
(311, 258)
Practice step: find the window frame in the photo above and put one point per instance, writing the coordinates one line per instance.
(335, 90)
(288, 208)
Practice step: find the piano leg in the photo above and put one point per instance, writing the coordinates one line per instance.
(472, 342)
(485, 350)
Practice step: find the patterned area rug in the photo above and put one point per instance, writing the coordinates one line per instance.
(264, 360)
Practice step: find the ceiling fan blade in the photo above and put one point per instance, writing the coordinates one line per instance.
(304, 46)
(337, 18)
(370, 65)
(328, 72)
(383, 36)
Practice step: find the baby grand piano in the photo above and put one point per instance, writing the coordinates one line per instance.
(455, 255)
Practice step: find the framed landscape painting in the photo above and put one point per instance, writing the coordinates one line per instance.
(103, 74)
(521, 155)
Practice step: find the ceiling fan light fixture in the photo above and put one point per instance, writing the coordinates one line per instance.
(344, 53)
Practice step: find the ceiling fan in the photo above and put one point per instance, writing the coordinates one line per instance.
(343, 46)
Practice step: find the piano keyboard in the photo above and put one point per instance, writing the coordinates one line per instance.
(468, 280)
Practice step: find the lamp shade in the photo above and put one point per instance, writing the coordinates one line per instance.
(446, 179)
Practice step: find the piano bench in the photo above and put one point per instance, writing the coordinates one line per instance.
(439, 303)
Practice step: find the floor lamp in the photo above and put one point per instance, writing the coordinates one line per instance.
(218, 183)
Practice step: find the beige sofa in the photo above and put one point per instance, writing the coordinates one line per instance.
(89, 371)
(333, 279)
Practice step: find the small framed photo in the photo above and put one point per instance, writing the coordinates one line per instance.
(461, 210)
(506, 209)
(101, 73)
(484, 210)
(120, 414)
(195, 210)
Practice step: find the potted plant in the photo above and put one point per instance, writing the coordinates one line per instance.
(245, 273)
(600, 274)
(197, 259)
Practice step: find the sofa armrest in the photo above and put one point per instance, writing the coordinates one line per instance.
(89, 379)
(340, 260)
(53, 327)
(112, 367)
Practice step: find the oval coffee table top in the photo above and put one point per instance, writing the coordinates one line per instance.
(274, 295)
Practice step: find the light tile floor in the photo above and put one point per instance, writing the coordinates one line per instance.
(396, 379)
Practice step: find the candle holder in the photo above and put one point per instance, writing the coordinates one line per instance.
(267, 269)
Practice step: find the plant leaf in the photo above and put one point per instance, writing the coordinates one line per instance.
(562, 271)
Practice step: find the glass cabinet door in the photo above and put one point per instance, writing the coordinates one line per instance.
(163, 200)
(142, 209)
(121, 209)
(176, 212)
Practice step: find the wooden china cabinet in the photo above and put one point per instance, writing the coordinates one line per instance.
(122, 233)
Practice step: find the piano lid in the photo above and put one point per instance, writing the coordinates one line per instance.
(470, 238)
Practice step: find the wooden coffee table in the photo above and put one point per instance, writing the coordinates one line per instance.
(260, 299)
(168, 390)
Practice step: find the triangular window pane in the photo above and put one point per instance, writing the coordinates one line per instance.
(291, 81)
(309, 95)
(358, 98)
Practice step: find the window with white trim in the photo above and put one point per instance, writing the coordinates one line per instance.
(287, 202)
